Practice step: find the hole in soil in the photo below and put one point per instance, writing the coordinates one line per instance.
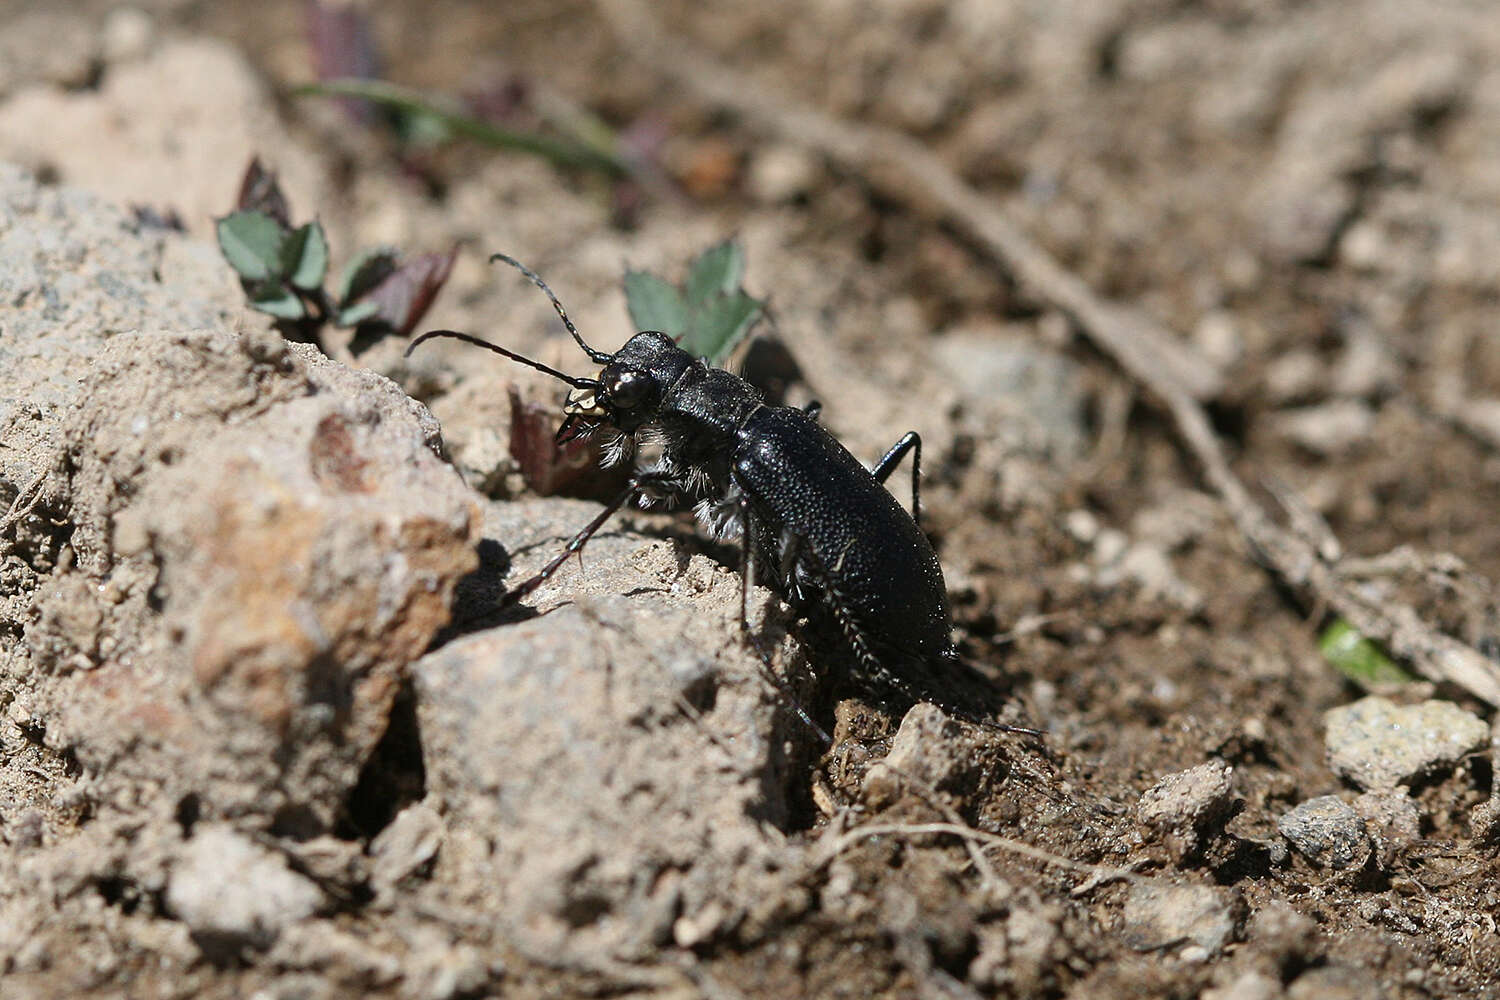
(121, 893)
(296, 822)
(393, 777)
(189, 809)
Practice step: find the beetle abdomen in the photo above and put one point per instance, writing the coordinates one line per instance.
(878, 569)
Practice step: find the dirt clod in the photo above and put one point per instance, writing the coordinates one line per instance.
(1198, 919)
(1327, 831)
(233, 894)
(1189, 807)
(1379, 745)
(252, 598)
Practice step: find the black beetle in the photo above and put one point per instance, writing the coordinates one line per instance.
(833, 541)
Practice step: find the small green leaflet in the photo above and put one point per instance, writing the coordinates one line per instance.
(1357, 658)
(709, 315)
(251, 242)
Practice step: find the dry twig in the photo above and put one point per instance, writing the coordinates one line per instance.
(24, 503)
(1148, 353)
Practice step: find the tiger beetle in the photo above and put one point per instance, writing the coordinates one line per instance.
(812, 522)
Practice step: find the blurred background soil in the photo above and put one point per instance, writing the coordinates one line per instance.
(1308, 194)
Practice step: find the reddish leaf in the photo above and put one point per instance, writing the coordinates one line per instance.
(343, 47)
(261, 192)
(550, 469)
(404, 295)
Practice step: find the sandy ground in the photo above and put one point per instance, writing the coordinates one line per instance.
(265, 734)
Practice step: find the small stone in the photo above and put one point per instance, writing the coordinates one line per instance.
(127, 34)
(410, 841)
(1295, 375)
(1378, 744)
(1283, 934)
(1164, 916)
(1327, 831)
(1189, 806)
(929, 748)
(234, 894)
(1083, 525)
(1250, 985)
(1218, 337)
(1391, 818)
(781, 173)
(1484, 821)
(1335, 982)
(1330, 429)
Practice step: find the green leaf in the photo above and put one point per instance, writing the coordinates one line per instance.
(719, 326)
(304, 257)
(717, 271)
(251, 242)
(593, 149)
(654, 304)
(356, 314)
(1358, 658)
(279, 301)
(422, 128)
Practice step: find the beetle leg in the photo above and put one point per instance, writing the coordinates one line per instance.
(910, 442)
(640, 484)
(813, 409)
(747, 580)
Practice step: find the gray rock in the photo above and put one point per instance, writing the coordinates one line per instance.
(1330, 428)
(411, 841)
(1335, 982)
(929, 748)
(616, 751)
(1484, 821)
(1391, 818)
(1023, 397)
(1202, 918)
(233, 894)
(1378, 744)
(259, 539)
(1283, 934)
(1326, 831)
(1190, 806)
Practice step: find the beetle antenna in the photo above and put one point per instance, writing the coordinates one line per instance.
(596, 356)
(574, 381)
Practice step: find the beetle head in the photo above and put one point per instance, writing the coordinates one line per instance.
(630, 385)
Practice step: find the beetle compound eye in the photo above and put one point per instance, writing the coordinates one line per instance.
(627, 388)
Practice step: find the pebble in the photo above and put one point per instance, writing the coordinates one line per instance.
(1251, 985)
(1379, 745)
(1391, 818)
(929, 748)
(781, 174)
(1188, 806)
(233, 893)
(1163, 916)
(1328, 429)
(1335, 982)
(409, 842)
(1327, 831)
(128, 34)
(1484, 821)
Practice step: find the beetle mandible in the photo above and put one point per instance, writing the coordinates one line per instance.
(813, 523)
